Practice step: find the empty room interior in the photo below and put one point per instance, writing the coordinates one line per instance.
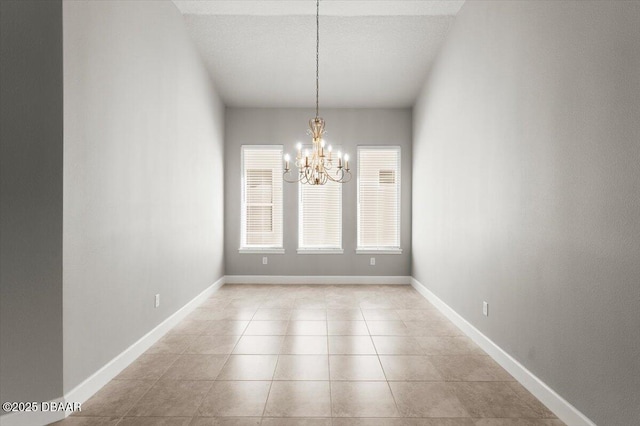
(320, 213)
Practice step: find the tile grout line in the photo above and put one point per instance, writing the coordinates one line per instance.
(326, 315)
(213, 382)
(148, 390)
(266, 401)
(395, 402)
(228, 356)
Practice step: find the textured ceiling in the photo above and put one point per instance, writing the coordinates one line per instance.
(263, 56)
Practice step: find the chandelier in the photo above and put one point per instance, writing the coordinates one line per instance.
(317, 167)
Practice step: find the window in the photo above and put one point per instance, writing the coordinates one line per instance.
(320, 218)
(261, 216)
(379, 199)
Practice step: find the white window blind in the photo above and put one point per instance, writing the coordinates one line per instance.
(320, 217)
(379, 198)
(261, 215)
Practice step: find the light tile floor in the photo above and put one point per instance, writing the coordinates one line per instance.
(318, 356)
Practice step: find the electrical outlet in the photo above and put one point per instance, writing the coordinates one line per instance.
(485, 309)
(372, 261)
(157, 300)
(265, 260)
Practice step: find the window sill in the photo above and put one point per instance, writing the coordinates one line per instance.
(378, 251)
(320, 251)
(255, 250)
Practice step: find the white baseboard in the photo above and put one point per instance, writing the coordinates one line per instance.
(558, 405)
(95, 382)
(90, 386)
(316, 279)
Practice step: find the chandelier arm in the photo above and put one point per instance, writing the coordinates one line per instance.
(342, 176)
(335, 179)
(288, 172)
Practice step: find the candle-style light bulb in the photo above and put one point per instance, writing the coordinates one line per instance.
(330, 148)
(339, 154)
(346, 157)
(322, 143)
(299, 146)
(287, 157)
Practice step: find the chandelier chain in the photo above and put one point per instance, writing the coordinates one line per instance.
(318, 166)
(317, 55)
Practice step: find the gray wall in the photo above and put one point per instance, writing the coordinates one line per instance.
(528, 141)
(142, 178)
(345, 127)
(31, 201)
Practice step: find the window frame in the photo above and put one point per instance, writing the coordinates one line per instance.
(380, 249)
(253, 249)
